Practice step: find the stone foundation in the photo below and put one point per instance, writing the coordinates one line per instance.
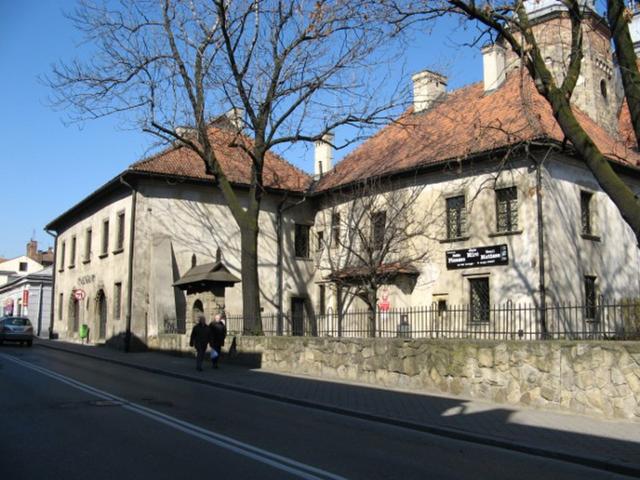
(598, 378)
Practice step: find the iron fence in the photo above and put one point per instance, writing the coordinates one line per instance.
(606, 320)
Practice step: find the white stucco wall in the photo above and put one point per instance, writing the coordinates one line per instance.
(97, 272)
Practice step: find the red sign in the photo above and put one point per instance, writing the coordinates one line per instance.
(384, 305)
(79, 294)
(25, 297)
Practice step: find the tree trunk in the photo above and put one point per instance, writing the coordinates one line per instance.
(618, 191)
(619, 24)
(250, 283)
(371, 305)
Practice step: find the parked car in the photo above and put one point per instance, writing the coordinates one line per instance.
(16, 329)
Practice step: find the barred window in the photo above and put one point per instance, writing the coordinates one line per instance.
(456, 217)
(378, 224)
(62, 254)
(479, 299)
(105, 237)
(72, 260)
(120, 236)
(87, 245)
(585, 212)
(590, 297)
(302, 241)
(507, 209)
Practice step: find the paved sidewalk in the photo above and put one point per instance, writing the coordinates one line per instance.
(610, 445)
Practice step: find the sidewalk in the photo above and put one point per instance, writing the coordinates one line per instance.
(610, 445)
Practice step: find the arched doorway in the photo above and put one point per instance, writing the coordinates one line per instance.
(196, 311)
(101, 308)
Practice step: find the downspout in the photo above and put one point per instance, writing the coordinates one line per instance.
(53, 281)
(132, 230)
(279, 269)
(541, 247)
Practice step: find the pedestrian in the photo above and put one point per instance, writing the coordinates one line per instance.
(218, 333)
(200, 339)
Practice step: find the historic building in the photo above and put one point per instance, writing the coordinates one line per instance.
(513, 215)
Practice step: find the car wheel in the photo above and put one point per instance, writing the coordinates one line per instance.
(29, 343)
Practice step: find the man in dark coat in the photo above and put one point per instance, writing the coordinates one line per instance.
(218, 334)
(200, 340)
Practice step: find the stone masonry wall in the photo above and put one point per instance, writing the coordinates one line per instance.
(585, 377)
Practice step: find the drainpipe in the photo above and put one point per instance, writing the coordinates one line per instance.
(541, 247)
(53, 281)
(132, 230)
(279, 273)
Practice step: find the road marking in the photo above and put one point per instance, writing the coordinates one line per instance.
(263, 456)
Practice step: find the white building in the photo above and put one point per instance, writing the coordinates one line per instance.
(30, 296)
(495, 174)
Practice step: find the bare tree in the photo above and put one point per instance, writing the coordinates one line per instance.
(373, 234)
(289, 70)
(509, 22)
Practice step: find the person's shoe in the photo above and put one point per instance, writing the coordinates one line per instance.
(215, 365)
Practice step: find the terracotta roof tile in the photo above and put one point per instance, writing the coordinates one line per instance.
(465, 122)
(235, 163)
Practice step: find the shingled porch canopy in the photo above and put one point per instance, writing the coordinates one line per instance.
(206, 277)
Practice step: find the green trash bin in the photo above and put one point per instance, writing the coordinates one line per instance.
(84, 331)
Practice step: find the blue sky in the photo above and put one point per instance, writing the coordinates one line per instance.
(48, 166)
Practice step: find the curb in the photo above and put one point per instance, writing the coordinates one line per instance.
(599, 464)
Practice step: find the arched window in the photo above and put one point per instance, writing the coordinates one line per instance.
(197, 310)
(603, 89)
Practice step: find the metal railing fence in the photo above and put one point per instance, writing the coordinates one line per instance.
(607, 320)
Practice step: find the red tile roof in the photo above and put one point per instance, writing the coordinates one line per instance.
(235, 163)
(464, 123)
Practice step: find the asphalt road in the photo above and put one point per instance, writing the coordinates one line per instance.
(68, 417)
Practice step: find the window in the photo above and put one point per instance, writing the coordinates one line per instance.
(105, 237)
(302, 241)
(442, 308)
(456, 217)
(23, 266)
(87, 245)
(590, 297)
(320, 244)
(585, 212)
(72, 260)
(322, 305)
(117, 300)
(60, 305)
(507, 209)
(120, 232)
(62, 255)
(479, 299)
(378, 224)
(603, 89)
(335, 229)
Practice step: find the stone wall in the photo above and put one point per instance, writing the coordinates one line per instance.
(585, 377)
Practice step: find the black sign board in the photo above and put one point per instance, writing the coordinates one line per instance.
(477, 257)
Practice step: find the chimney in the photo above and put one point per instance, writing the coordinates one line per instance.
(235, 117)
(493, 66)
(324, 155)
(427, 88)
(32, 249)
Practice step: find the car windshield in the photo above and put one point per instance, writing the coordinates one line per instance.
(17, 321)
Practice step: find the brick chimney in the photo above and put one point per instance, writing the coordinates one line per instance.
(493, 66)
(427, 88)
